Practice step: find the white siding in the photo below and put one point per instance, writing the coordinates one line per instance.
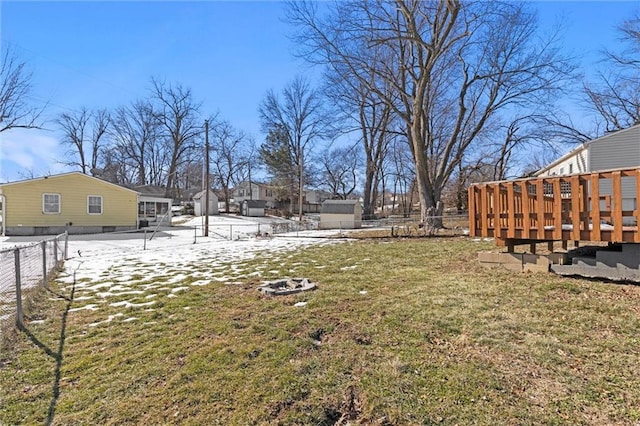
(577, 163)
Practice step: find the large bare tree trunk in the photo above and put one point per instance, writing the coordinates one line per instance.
(453, 66)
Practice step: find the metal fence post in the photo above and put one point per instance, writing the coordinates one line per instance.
(230, 232)
(19, 313)
(66, 244)
(44, 262)
(55, 252)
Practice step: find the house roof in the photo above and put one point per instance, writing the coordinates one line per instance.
(151, 190)
(582, 147)
(339, 206)
(201, 194)
(78, 174)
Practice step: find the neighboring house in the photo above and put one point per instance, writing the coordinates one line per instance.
(71, 201)
(255, 191)
(340, 214)
(199, 202)
(615, 150)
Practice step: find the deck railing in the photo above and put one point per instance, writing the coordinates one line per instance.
(599, 206)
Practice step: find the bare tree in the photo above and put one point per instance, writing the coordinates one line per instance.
(84, 132)
(371, 116)
(399, 168)
(136, 136)
(15, 87)
(615, 95)
(339, 168)
(230, 157)
(301, 119)
(453, 67)
(179, 118)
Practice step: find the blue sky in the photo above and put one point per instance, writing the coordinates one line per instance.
(103, 54)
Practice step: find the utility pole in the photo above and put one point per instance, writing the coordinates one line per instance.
(301, 186)
(206, 180)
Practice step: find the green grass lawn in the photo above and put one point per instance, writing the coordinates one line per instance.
(399, 332)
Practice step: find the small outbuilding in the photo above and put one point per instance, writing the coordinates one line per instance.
(340, 214)
(253, 208)
(199, 203)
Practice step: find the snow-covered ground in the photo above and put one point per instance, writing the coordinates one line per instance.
(133, 273)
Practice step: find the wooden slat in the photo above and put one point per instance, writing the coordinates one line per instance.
(511, 214)
(595, 207)
(526, 218)
(584, 206)
(540, 206)
(484, 211)
(575, 208)
(472, 200)
(497, 208)
(557, 210)
(617, 206)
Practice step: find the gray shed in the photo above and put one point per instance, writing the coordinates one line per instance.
(253, 208)
(199, 203)
(340, 214)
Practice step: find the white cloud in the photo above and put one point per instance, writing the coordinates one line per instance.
(26, 151)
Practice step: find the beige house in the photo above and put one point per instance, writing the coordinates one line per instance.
(71, 201)
(255, 191)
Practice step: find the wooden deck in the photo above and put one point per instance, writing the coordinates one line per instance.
(581, 207)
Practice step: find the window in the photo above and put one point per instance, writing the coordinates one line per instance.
(51, 203)
(268, 192)
(570, 168)
(94, 204)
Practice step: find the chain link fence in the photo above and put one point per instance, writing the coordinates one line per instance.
(451, 224)
(24, 269)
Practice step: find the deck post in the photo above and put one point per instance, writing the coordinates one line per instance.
(617, 206)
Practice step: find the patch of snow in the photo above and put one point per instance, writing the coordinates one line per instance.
(108, 320)
(84, 308)
(347, 268)
(118, 264)
(128, 304)
(300, 304)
